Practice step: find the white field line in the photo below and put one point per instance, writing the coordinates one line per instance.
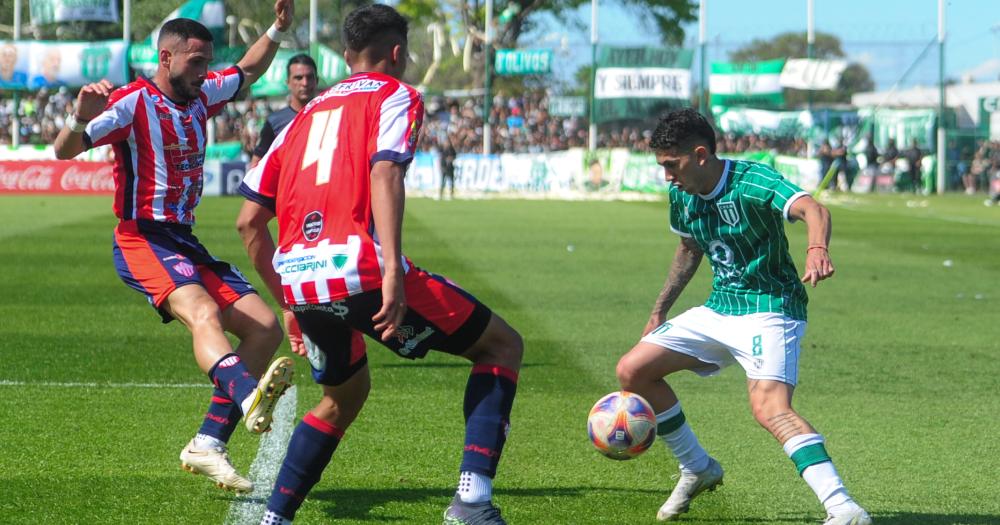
(56, 384)
(250, 509)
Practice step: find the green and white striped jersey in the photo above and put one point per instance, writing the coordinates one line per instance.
(740, 228)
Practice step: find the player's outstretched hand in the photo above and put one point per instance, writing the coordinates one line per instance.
(818, 266)
(294, 332)
(284, 12)
(390, 316)
(92, 99)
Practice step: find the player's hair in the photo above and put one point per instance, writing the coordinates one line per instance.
(683, 128)
(300, 58)
(373, 25)
(184, 28)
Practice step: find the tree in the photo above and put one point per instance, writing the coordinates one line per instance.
(855, 78)
(465, 21)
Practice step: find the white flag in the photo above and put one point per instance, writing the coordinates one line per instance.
(803, 73)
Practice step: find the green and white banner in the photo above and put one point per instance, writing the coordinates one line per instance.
(211, 13)
(803, 73)
(331, 69)
(54, 11)
(639, 82)
(746, 84)
(568, 106)
(39, 64)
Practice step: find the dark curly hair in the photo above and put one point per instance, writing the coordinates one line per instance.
(683, 128)
(373, 24)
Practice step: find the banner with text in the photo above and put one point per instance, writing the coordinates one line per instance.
(54, 11)
(32, 65)
(746, 84)
(640, 82)
(56, 176)
(803, 73)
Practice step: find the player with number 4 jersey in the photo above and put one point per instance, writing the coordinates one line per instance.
(334, 180)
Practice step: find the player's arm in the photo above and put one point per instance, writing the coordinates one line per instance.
(682, 269)
(89, 104)
(257, 240)
(258, 58)
(818, 224)
(388, 196)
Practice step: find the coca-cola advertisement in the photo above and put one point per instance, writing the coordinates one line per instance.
(56, 176)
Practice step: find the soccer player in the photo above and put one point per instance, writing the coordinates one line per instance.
(334, 180)
(756, 314)
(157, 130)
(302, 80)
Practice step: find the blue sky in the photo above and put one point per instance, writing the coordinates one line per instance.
(885, 35)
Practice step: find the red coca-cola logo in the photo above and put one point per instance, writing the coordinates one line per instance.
(96, 178)
(22, 176)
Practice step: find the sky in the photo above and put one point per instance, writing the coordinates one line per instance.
(887, 36)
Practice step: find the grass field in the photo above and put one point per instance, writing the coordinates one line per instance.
(899, 371)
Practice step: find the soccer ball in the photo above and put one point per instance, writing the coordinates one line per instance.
(622, 425)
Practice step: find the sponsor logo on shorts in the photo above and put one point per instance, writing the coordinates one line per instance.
(184, 268)
(405, 335)
(338, 308)
(316, 357)
(312, 225)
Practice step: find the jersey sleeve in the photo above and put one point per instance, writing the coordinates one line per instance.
(400, 117)
(220, 87)
(114, 124)
(260, 184)
(676, 220)
(777, 192)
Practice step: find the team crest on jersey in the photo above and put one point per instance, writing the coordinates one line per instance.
(312, 225)
(727, 210)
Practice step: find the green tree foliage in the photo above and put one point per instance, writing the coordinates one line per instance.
(855, 78)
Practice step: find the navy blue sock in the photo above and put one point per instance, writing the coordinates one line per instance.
(309, 452)
(230, 375)
(222, 417)
(489, 396)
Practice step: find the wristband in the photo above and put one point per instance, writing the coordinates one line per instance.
(274, 33)
(817, 247)
(75, 125)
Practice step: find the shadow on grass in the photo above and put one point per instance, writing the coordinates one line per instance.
(357, 504)
(921, 518)
(457, 364)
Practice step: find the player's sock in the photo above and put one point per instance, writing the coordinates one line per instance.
(474, 487)
(230, 375)
(673, 429)
(270, 518)
(221, 419)
(816, 468)
(309, 452)
(489, 396)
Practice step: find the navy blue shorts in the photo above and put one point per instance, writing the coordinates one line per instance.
(157, 258)
(440, 316)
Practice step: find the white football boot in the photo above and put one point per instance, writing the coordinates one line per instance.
(688, 486)
(214, 463)
(270, 388)
(857, 516)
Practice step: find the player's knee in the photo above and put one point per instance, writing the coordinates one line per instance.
(500, 345)
(628, 373)
(203, 314)
(271, 333)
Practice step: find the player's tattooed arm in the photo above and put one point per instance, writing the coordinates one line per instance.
(687, 258)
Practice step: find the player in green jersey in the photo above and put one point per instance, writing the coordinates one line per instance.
(734, 212)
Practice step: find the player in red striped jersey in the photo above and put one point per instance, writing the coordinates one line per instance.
(334, 180)
(157, 130)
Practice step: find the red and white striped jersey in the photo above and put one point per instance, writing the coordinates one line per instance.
(316, 178)
(159, 146)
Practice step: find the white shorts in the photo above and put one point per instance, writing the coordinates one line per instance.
(766, 345)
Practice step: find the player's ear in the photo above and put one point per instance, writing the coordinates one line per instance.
(701, 153)
(165, 58)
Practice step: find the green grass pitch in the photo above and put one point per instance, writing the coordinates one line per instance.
(899, 371)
